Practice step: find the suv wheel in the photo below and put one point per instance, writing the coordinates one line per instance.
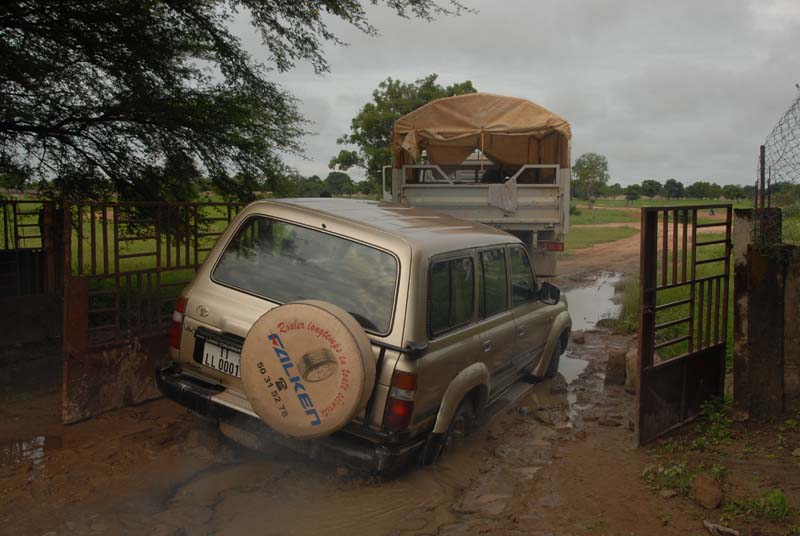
(552, 367)
(460, 427)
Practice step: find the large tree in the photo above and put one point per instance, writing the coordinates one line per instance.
(673, 189)
(651, 188)
(590, 173)
(371, 128)
(115, 87)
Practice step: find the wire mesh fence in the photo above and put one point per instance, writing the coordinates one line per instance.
(778, 181)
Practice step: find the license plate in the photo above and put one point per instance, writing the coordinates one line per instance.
(221, 359)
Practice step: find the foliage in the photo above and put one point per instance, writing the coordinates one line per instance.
(651, 188)
(112, 87)
(627, 321)
(590, 173)
(733, 191)
(633, 192)
(339, 183)
(371, 128)
(704, 190)
(676, 476)
(773, 506)
(715, 428)
(673, 189)
(613, 190)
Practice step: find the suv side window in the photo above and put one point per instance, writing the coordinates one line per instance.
(493, 296)
(451, 294)
(523, 284)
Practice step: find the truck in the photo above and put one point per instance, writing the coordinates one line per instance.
(498, 160)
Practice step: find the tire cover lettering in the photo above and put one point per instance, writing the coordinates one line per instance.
(307, 368)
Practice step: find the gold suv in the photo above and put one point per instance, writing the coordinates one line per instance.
(366, 330)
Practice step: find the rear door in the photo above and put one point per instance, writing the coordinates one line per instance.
(496, 336)
(531, 317)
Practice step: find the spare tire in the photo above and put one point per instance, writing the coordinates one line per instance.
(307, 368)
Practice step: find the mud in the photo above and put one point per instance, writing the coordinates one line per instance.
(556, 458)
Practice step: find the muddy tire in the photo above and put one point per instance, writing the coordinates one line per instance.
(552, 367)
(460, 427)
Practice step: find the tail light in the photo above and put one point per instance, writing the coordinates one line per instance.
(176, 326)
(551, 246)
(400, 404)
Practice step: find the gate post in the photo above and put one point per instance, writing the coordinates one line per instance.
(647, 301)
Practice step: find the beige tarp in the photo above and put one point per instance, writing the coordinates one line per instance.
(508, 130)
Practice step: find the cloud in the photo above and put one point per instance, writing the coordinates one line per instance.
(681, 89)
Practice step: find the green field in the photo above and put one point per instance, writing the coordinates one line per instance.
(585, 237)
(599, 216)
(740, 203)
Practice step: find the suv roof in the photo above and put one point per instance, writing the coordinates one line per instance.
(422, 229)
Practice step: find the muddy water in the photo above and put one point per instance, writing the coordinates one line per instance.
(589, 304)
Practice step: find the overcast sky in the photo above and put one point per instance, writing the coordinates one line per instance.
(683, 89)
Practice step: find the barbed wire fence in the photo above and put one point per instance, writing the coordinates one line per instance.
(778, 179)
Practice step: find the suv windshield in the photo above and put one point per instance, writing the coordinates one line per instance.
(285, 262)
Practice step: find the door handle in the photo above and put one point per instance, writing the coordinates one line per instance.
(487, 346)
(520, 332)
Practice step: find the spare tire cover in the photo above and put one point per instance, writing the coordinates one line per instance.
(307, 368)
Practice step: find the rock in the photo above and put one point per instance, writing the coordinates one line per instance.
(528, 472)
(668, 493)
(579, 338)
(706, 491)
(608, 421)
(615, 367)
(796, 452)
(631, 369)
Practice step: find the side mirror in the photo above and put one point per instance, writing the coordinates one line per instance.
(549, 293)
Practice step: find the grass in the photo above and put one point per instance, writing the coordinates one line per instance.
(676, 476)
(586, 216)
(581, 238)
(627, 320)
(739, 203)
(773, 506)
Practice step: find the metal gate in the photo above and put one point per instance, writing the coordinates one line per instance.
(683, 325)
(30, 282)
(124, 266)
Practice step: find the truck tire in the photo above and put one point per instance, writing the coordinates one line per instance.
(307, 368)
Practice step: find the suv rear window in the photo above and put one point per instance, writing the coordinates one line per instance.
(284, 262)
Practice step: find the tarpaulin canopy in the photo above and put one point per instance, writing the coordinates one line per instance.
(508, 130)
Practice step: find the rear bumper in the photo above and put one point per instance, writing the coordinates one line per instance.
(355, 445)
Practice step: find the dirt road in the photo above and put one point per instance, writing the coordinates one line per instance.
(557, 460)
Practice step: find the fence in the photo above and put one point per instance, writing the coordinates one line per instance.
(778, 181)
(124, 265)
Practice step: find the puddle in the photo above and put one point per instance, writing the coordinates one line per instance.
(27, 450)
(588, 305)
(571, 367)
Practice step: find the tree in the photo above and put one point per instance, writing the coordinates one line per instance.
(733, 191)
(651, 188)
(339, 183)
(614, 190)
(632, 193)
(704, 190)
(590, 173)
(673, 189)
(114, 87)
(371, 129)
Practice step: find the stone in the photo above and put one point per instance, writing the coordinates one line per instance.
(631, 369)
(528, 472)
(706, 491)
(615, 367)
(796, 452)
(668, 493)
(579, 338)
(608, 421)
